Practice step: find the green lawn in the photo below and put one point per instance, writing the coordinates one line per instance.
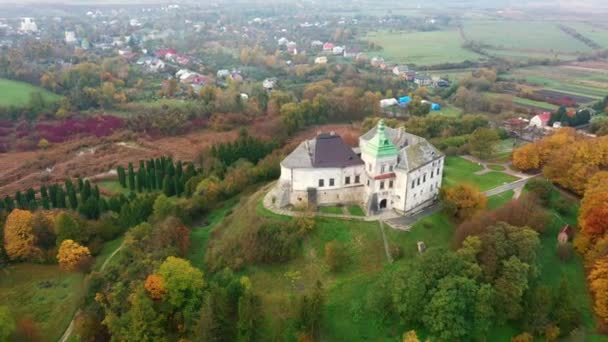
(458, 170)
(18, 93)
(331, 210)
(449, 111)
(421, 48)
(516, 35)
(496, 167)
(355, 210)
(539, 104)
(43, 293)
(112, 186)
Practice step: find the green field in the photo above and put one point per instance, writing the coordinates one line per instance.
(112, 186)
(355, 210)
(523, 36)
(593, 32)
(422, 48)
(458, 170)
(538, 104)
(331, 210)
(43, 293)
(499, 200)
(18, 93)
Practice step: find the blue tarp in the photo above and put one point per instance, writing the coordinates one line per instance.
(405, 99)
(435, 106)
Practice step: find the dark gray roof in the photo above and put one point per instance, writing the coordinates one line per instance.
(332, 151)
(325, 150)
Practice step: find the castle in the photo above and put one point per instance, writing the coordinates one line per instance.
(391, 170)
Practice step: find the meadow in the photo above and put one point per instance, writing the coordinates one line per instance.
(546, 36)
(18, 93)
(458, 170)
(422, 48)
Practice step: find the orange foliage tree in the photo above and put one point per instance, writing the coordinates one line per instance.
(155, 285)
(462, 201)
(593, 217)
(598, 283)
(72, 255)
(19, 238)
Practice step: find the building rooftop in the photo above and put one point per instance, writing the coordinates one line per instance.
(326, 150)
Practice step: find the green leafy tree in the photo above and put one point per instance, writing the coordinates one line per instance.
(250, 313)
(482, 142)
(510, 288)
(184, 287)
(67, 228)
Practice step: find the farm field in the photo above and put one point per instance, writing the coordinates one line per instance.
(458, 170)
(43, 293)
(431, 48)
(18, 93)
(534, 104)
(547, 36)
(593, 32)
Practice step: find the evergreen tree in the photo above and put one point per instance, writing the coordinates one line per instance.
(131, 177)
(60, 198)
(21, 201)
(90, 208)
(43, 192)
(72, 198)
(179, 172)
(159, 179)
(86, 191)
(122, 178)
(96, 193)
(46, 204)
(80, 184)
(9, 204)
(30, 195)
(169, 186)
(32, 205)
(53, 195)
(248, 325)
(180, 186)
(141, 179)
(151, 180)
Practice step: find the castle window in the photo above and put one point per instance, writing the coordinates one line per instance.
(437, 171)
(424, 178)
(382, 169)
(390, 184)
(347, 180)
(331, 182)
(413, 183)
(321, 183)
(368, 182)
(369, 167)
(432, 174)
(357, 180)
(382, 185)
(418, 182)
(390, 168)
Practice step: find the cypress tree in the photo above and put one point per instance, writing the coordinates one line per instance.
(80, 184)
(141, 179)
(30, 195)
(19, 198)
(151, 181)
(168, 186)
(103, 205)
(122, 178)
(131, 177)
(45, 203)
(43, 192)
(86, 192)
(53, 195)
(159, 179)
(180, 186)
(9, 204)
(190, 171)
(61, 198)
(179, 172)
(72, 198)
(32, 205)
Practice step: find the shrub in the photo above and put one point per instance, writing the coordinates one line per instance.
(542, 188)
(564, 251)
(335, 255)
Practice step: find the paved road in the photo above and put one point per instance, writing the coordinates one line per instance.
(507, 187)
(70, 329)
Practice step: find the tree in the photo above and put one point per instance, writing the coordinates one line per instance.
(44, 233)
(311, 312)
(155, 285)
(66, 227)
(598, 283)
(163, 208)
(7, 324)
(482, 142)
(131, 177)
(510, 287)
(462, 201)
(122, 177)
(27, 330)
(527, 157)
(538, 307)
(483, 313)
(450, 305)
(410, 336)
(141, 322)
(335, 255)
(249, 310)
(565, 312)
(593, 216)
(19, 238)
(184, 286)
(523, 337)
(72, 256)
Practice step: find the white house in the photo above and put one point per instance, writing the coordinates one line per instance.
(541, 120)
(321, 60)
(384, 103)
(70, 37)
(394, 170)
(28, 25)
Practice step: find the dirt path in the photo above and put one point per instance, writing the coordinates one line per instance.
(70, 329)
(386, 249)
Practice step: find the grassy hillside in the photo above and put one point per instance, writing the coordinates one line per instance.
(18, 93)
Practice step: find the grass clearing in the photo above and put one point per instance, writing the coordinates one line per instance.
(496, 167)
(532, 103)
(499, 200)
(18, 94)
(547, 36)
(458, 170)
(331, 210)
(43, 293)
(355, 210)
(112, 186)
(422, 48)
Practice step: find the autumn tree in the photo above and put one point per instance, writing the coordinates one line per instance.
(593, 217)
(19, 238)
(462, 201)
(72, 256)
(410, 336)
(598, 283)
(184, 286)
(155, 285)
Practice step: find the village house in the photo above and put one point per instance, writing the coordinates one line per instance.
(391, 170)
(269, 83)
(423, 80)
(541, 120)
(321, 60)
(401, 70)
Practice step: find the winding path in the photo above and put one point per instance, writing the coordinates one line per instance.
(70, 329)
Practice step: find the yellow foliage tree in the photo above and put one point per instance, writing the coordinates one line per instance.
(19, 239)
(155, 285)
(71, 255)
(598, 282)
(463, 201)
(410, 336)
(527, 157)
(593, 217)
